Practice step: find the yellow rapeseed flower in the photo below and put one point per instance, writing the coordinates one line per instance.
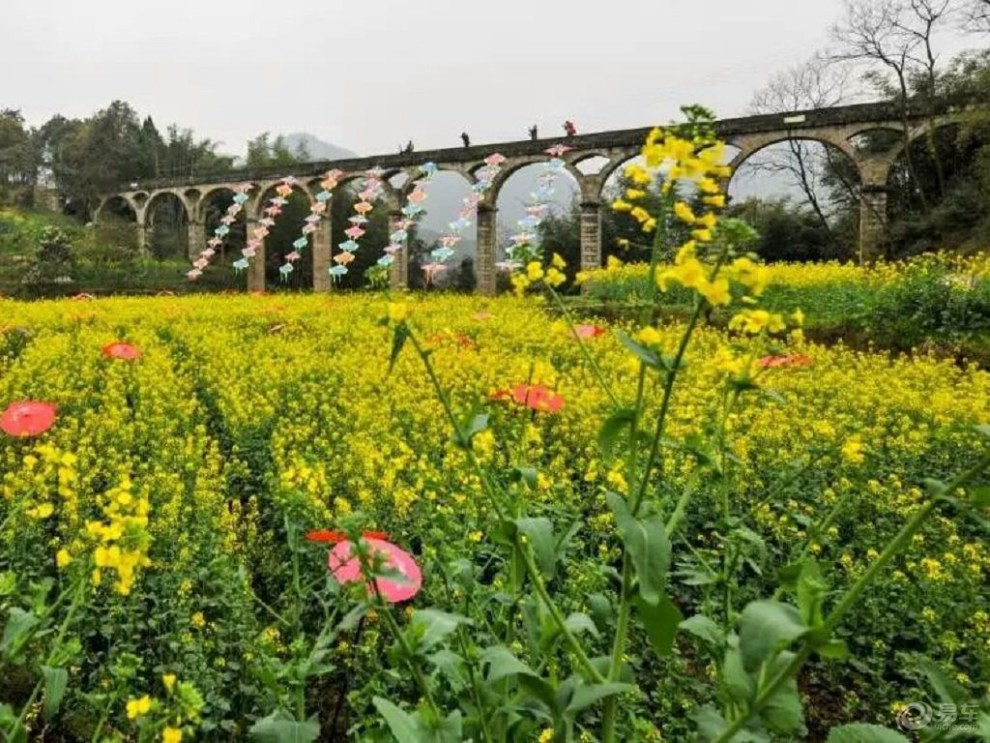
(138, 707)
(398, 311)
(62, 558)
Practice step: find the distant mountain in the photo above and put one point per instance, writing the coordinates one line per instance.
(317, 148)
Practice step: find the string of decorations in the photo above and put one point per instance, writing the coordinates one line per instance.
(412, 212)
(370, 193)
(524, 244)
(484, 179)
(256, 239)
(318, 211)
(221, 232)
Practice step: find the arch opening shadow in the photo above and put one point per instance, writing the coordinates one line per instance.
(802, 196)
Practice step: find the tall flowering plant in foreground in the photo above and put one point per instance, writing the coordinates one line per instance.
(520, 665)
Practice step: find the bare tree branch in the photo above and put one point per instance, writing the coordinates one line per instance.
(977, 17)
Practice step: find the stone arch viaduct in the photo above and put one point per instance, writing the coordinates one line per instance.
(838, 127)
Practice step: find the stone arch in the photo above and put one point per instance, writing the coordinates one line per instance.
(210, 209)
(513, 165)
(372, 244)
(812, 171)
(919, 182)
(590, 164)
(916, 133)
(118, 205)
(286, 230)
(751, 144)
(856, 137)
(118, 222)
(510, 201)
(617, 161)
(265, 188)
(208, 200)
(451, 185)
(167, 218)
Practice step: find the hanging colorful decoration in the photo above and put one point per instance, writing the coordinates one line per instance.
(524, 244)
(371, 191)
(318, 210)
(484, 178)
(412, 212)
(257, 237)
(220, 233)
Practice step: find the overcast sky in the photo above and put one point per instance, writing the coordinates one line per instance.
(370, 75)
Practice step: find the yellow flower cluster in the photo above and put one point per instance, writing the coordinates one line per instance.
(534, 273)
(309, 413)
(122, 540)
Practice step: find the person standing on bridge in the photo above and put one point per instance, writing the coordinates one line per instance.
(532, 133)
(465, 139)
(569, 129)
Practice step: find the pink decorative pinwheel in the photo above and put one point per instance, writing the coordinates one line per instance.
(346, 568)
(27, 418)
(121, 350)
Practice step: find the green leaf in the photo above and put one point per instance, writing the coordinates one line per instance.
(56, 680)
(947, 689)
(12, 730)
(983, 429)
(783, 712)
(641, 352)
(430, 627)
(452, 667)
(661, 623)
(19, 627)
(398, 341)
(450, 729)
(470, 429)
(980, 496)
(404, 726)
(711, 725)
(766, 627)
(578, 623)
(539, 535)
(811, 589)
(704, 629)
(646, 542)
(539, 689)
(527, 475)
(586, 695)
(601, 610)
(863, 733)
(279, 727)
(8, 582)
(833, 650)
(612, 428)
(710, 722)
(737, 681)
(502, 663)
